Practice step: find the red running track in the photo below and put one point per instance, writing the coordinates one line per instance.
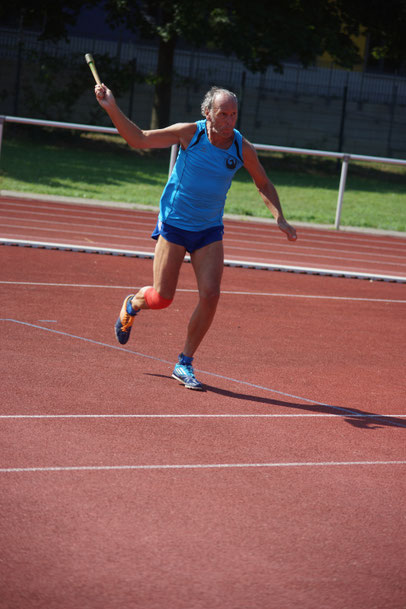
(252, 243)
(281, 485)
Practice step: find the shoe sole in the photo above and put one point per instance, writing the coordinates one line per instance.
(186, 385)
(122, 337)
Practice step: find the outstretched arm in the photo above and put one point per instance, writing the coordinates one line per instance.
(180, 133)
(266, 189)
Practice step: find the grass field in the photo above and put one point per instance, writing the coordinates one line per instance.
(103, 167)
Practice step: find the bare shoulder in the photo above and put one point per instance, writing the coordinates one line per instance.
(186, 132)
(178, 133)
(252, 163)
(180, 128)
(249, 153)
(182, 132)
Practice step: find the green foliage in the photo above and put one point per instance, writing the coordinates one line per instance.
(51, 16)
(52, 93)
(259, 34)
(384, 24)
(256, 33)
(261, 37)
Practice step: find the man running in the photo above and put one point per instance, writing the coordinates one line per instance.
(191, 211)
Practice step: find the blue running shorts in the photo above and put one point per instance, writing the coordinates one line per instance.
(191, 240)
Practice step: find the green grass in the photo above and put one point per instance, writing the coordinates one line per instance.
(103, 167)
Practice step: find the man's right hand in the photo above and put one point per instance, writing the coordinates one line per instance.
(104, 96)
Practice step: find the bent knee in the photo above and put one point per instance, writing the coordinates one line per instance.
(210, 297)
(155, 301)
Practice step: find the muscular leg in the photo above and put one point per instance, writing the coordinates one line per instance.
(208, 263)
(167, 262)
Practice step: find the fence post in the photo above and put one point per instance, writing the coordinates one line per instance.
(1, 131)
(343, 179)
(391, 119)
(342, 120)
(242, 92)
(133, 74)
(172, 160)
(20, 49)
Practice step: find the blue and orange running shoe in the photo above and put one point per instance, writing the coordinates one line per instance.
(125, 320)
(184, 373)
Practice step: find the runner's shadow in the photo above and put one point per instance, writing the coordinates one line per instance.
(357, 418)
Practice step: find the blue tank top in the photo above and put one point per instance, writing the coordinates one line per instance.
(195, 195)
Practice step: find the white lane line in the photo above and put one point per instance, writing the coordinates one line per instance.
(263, 263)
(331, 247)
(102, 246)
(91, 223)
(126, 224)
(322, 270)
(228, 292)
(197, 466)
(199, 416)
(115, 214)
(220, 376)
(229, 242)
(281, 254)
(229, 247)
(76, 285)
(310, 296)
(235, 226)
(80, 232)
(326, 235)
(323, 253)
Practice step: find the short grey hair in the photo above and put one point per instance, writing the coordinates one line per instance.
(208, 99)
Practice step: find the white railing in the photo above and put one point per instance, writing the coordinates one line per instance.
(344, 156)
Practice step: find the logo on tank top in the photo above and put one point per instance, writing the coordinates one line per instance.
(231, 163)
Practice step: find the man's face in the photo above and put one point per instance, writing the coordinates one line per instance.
(223, 115)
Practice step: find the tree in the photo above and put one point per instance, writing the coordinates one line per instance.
(49, 17)
(165, 21)
(384, 23)
(258, 35)
(262, 35)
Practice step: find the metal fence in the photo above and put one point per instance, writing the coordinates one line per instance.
(314, 108)
(202, 66)
(344, 157)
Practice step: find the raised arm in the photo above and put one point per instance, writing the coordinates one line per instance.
(266, 189)
(180, 133)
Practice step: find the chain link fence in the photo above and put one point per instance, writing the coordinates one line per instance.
(315, 107)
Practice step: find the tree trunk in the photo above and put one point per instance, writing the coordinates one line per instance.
(162, 96)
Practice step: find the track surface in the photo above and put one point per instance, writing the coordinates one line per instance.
(254, 242)
(280, 486)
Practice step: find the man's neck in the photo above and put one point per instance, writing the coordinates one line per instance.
(217, 140)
